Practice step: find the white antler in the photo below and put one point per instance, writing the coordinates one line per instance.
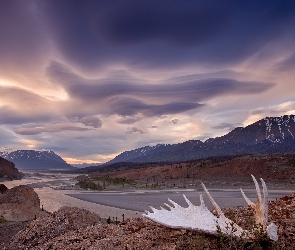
(200, 218)
(193, 217)
(261, 209)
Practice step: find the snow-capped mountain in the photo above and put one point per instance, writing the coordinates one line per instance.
(268, 135)
(5, 151)
(34, 159)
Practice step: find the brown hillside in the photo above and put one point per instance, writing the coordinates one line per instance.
(271, 167)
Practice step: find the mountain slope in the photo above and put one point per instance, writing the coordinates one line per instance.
(268, 135)
(35, 159)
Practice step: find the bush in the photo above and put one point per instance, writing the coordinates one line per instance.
(88, 184)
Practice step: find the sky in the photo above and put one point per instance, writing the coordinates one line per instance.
(91, 79)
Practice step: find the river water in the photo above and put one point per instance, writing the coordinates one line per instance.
(130, 202)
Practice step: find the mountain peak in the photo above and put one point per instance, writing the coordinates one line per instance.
(268, 135)
(34, 159)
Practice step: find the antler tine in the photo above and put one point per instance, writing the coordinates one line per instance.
(188, 201)
(217, 208)
(153, 209)
(258, 192)
(250, 203)
(167, 205)
(202, 200)
(265, 192)
(176, 205)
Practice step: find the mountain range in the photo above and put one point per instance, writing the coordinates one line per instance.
(34, 159)
(268, 135)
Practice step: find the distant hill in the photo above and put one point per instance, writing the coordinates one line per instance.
(268, 135)
(35, 159)
(275, 168)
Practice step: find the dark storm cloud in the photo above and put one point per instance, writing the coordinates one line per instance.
(130, 106)
(35, 130)
(90, 121)
(177, 22)
(128, 96)
(129, 120)
(172, 32)
(134, 130)
(224, 125)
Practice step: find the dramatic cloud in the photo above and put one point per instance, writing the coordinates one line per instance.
(191, 88)
(89, 121)
(120, 92)
(134, 130)
(130, 106)
(129, 120)
(22, 106)
(95, 33)
(224, 125)
(174, 121)
(23, 41)
(116, 75)
(38, 129)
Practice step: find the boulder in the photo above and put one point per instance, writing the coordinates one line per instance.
(8, 170)
(20, 203)
(3, 188)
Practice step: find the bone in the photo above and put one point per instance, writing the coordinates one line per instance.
(250, 203)
(265, 192)
(188, 201)
(167, 205)
(202, 200)
(176, 205)
(201, 219)
(214, 204)
(258, 193)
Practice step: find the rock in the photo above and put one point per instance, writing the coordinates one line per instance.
(8, 170)
(20, 203)
(40, 233)
(76, 217)
(3, 188)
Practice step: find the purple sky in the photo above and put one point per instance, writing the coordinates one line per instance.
(90, 79)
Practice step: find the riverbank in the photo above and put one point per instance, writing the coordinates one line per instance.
(55, 191)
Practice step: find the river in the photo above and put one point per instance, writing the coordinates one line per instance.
(130, 202)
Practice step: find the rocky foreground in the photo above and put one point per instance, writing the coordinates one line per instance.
(73, 228)
(20, 203)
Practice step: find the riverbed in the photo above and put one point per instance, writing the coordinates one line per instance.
(55, 191)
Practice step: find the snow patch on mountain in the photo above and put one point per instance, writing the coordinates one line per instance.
(34, 159)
